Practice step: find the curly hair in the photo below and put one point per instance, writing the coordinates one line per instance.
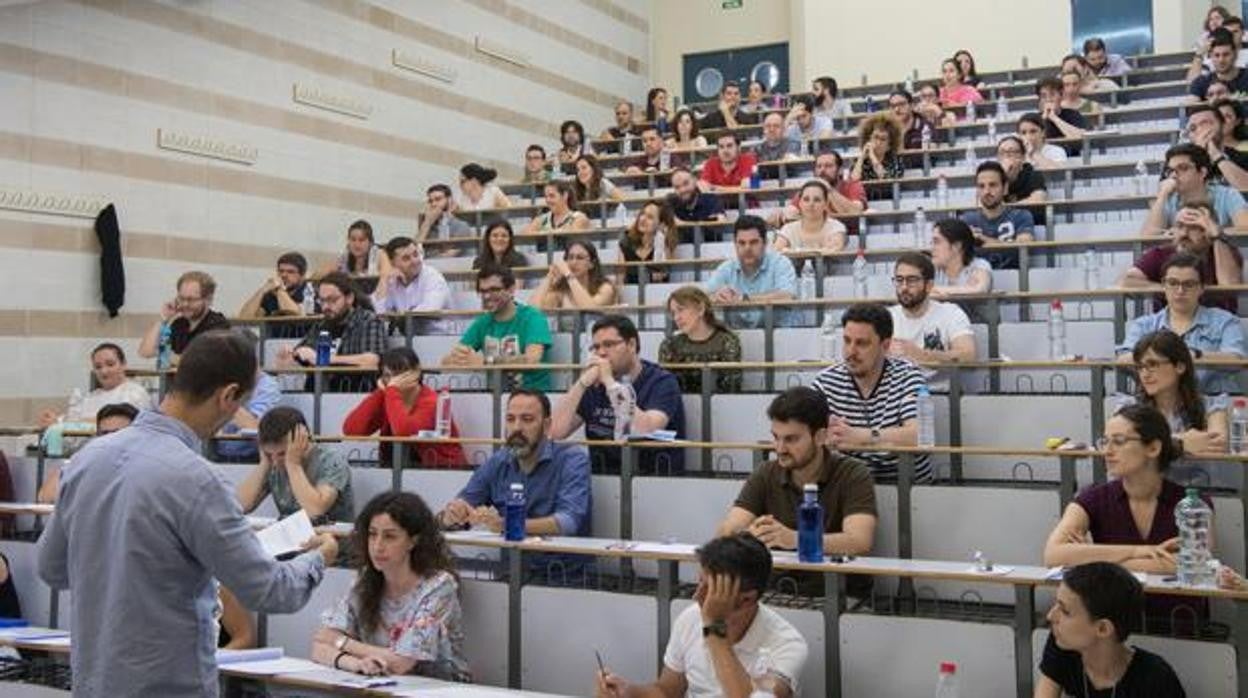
(881, 120)
(429, 555)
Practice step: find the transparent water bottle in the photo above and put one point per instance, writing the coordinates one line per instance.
(925, 136)
(942, 192)
(1003, 106)
(992, 130)
(860, 275)
(970, 111)
(926, 408)
(810, 525)
(665, 159)
(308, 304)
(1194, 519)
(164, 354)
(443, 413)
(920, 228)
(806, 284)
(1239, 426)
(972, 158)
(1091, 272)
(947, 682)
(1141, 178)
(870, 104)
(621, 215)
(910, 84)
(75, 405)
(514, 513)
(623, 402)
(660, 245)
(1057, 331)
(830, 339)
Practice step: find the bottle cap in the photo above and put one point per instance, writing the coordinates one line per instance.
(1240, 402)
(1056, 304)
(517, 486)
(948, 668)
(1193, 492)
(810, 487)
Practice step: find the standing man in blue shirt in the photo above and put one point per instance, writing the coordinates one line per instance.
(614, 355)
(758, 273)
(143, 525)
(557, 491)
(993, 221)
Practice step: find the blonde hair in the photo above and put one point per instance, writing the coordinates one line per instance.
(691, 295)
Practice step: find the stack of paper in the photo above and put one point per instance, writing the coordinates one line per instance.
(288, 535)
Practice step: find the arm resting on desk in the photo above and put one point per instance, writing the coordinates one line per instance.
(1065, 547)
(856, 536)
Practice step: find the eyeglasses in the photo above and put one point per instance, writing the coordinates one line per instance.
(576, 258)
(1175, 285)
(1151, 365)
(493, 290)
(1012, 152)
(184, 299)
(607, 344)
(908, 280)
(1181, 167)
(331, 300)
(1117, 441)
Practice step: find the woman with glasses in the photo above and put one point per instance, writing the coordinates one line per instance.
(1130, 519)
(1167, 381)
(576, 281)
(879, 138)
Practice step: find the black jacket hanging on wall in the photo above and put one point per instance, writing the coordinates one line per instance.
(112, 271)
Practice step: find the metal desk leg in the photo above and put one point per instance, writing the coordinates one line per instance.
(398, 462)
(628, 466)
(665, 593)
(318, 389)
(905, 546)
(1066, 489)
(708, 388)
(515, 585)
(832, 634)
(1024, 623)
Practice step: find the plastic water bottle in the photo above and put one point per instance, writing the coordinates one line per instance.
(870, 104)
(665, 159)
(942, 192)
(756, 178)
(1003, 106)
(1091, 273)
(992, 129)
(970, 111)
(830, 339)
(661, 124)
(309, 300)
(806, 284)
(810, 525)
(443, 411)
(920, 228)
(909, 84)
(808, 146)
(926, 408)
(1239, 426)
(514, 513)
(1057, 331)
(164, 354)
(660, 245)
(54, 439)
(1193, 518)
(75, 406)
(625, 399)
(925, 136)
(621, 215)
(860, 275)
(972, 158)
(947, 682)
(324, 346)
(1141, 178)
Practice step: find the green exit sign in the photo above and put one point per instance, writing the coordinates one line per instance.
(732, 4)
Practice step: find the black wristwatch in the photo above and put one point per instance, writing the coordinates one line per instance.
(1196, 353)
(718, 628)
(1221, 159)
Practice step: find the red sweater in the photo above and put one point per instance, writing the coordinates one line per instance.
(383, 411)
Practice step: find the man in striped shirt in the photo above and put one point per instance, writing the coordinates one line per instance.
(872, 395)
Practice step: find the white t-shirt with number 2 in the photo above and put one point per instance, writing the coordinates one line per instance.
(772, 649)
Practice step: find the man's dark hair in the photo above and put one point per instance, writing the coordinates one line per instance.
(1202, 108)
(342, 281)
(296, 260)
(116, 409)
(277, 424)
(1233, 20)
(400, 360)
(992, 166)
(1198, 155)
(1200, 205)
(800, 404)
(806, 101)
(444, 189)
(919, 261)
(650, 127)
(728, 134)
(681, 168)
(212, 361)
(829, 85)
(1094, 43)
(727, 85)
(503, 273)
(749, 222)
(1183, 260)
(397, 243)
(742, 556)
(623, 325)
(109, 346)
(1109, 592)
(840, 162)
(1050, 83)
(904, 94)
(873, 314)
(533, 147)
(1034, 119)
(536, 395)
(1221, 37)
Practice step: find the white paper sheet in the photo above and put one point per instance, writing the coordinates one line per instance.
(273, 667)
(257, 654)
(287, 535)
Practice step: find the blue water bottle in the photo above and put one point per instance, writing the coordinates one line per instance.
(756, 178)
(324, 345)
(810, 526)
(164, 353)
(513, 516)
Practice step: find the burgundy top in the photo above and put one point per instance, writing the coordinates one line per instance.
(1153, 260)
(1110, 523)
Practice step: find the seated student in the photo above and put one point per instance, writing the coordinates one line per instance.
(1058, 121)
(657, 111)
(729, 169)
(879, 137)
(959, 270)
(1073, 85)
(402, 405)
(953, 91)
(357, 334)
(590, 184)
(297, 472)
(1024, 184)
(479, 193)
(1098, 604)
(1103, 63)
(1105, 521)
(288, 292)
(1196, 234)
(572, 145)
(557, 488)
(769, 499)
(651, 157)
(700, 338)
(362, 257)
(403, 615)
(625, 129)
(638, 243)
(439, 222)
(508, 332)
(591, 400)
(927, 104)
(756, 98)
(846, 196)
(756, 273)
(728, 643)
(966, 65)
(535, 165)
(685, 135)
(10, 604)
(108, 419)
(804, 125)
(825, 95)
(689, 203)
(108, 366)
(775, 145)
(1166, 379)
(576, 281)
(236, 626)
(561, 213)
(1223, 58)
(498, 247)
(412, 285)
(1205, 124)
(926, 330)
(993, 221)
(1208, 332)
(264, 397)
(872, 395)
(901, 106)
(1039, 153)
(728, 112)
(1188, 179)
(814, 229)
(188, 315)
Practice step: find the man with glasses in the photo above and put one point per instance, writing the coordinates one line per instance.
(926, 330)
(993, 221)
(535, 170)
(776, 145)
(901, 104)
(1210, 333)
(439, 221)
(1196, 233)
(188, 315)
(591, 401)
(509, 332)
(624, 129)
(357, 335)
(1186, 180)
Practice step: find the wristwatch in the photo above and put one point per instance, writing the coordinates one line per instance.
(341, 643)
(1196, 353)
(718, 628)
(875, 435)
(1220, 159)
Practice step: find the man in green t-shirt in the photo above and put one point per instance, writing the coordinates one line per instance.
(507, 333)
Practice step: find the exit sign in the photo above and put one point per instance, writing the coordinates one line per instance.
(732, 4)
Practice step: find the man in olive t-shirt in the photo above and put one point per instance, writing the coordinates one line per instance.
(768, 502)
